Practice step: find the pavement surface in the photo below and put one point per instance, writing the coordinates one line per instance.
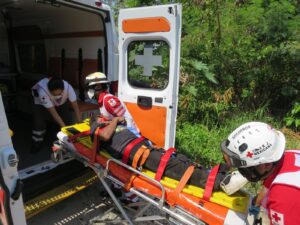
(76, 210)
(91, 204)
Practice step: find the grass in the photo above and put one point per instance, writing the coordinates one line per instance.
(203, 144)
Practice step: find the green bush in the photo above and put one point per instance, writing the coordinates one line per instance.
(252, 48)
(293, 117)
(202, 144)
(199, 143)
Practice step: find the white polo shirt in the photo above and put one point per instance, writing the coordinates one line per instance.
(46, 99)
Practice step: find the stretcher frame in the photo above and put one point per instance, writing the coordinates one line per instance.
(175, 214)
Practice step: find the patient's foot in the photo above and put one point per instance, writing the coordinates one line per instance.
(233, 182)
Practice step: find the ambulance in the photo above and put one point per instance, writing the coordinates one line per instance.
(71, 39)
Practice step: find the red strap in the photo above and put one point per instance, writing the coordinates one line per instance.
(210, 182)
(96, 146)
(129, 147)
(81, 134)
(163, 163)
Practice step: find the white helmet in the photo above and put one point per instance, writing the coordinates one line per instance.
(252, 144)
(95, 78)
(92, 80)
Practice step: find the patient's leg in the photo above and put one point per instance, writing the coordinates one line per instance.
(177, 166)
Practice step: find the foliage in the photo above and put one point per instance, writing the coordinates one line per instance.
(293, 117)
(243, 54)
(203, 144)
(251, 48)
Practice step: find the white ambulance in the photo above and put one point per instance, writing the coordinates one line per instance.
(71, 39)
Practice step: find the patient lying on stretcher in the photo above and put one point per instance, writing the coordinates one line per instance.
(118, 141)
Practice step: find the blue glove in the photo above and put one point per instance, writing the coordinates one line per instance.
(254, 210)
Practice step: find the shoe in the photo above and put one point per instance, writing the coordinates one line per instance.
(233, 182)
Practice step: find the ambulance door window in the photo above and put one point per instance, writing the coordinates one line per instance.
(148, 64)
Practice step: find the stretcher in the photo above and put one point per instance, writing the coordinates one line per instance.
(184, 205)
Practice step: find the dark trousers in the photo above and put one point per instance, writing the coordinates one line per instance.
(178, 164)
(41, 116)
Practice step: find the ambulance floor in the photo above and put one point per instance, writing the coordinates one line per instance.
(21, 124)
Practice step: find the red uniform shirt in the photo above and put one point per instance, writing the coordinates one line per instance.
(110, 105)
(283, 197)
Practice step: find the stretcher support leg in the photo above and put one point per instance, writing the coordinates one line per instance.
(174, 213)
(113, 197)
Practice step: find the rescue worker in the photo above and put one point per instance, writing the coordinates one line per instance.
(97, 86)
(51, 96)
(258, 151)
(110, 106)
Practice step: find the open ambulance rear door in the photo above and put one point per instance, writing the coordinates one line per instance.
(149, 48)
(11, 203)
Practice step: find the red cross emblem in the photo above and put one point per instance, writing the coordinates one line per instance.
(277, 218)
(249, 154)
(112, 102)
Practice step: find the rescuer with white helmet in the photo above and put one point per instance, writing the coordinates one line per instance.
(97, 86)
(95, 83)
(258, 151)
(253, 144)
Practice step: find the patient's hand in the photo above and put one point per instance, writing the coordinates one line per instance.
(121, 120)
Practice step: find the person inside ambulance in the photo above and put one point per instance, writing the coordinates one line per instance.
(51, 97)
(97, 86)
(258, 151)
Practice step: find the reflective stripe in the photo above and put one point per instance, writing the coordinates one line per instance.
(292, 178)
(297, 160)
(37, 139)
(285, 178)
(38, 132)
(236, 218)
(120, 110)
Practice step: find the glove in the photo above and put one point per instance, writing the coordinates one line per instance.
(254, 210)
(233, 182)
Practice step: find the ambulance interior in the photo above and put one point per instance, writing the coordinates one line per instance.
(38, 39)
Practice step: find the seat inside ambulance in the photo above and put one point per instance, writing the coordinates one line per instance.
(39, 39)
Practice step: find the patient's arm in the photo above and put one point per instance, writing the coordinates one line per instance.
(107, 132)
